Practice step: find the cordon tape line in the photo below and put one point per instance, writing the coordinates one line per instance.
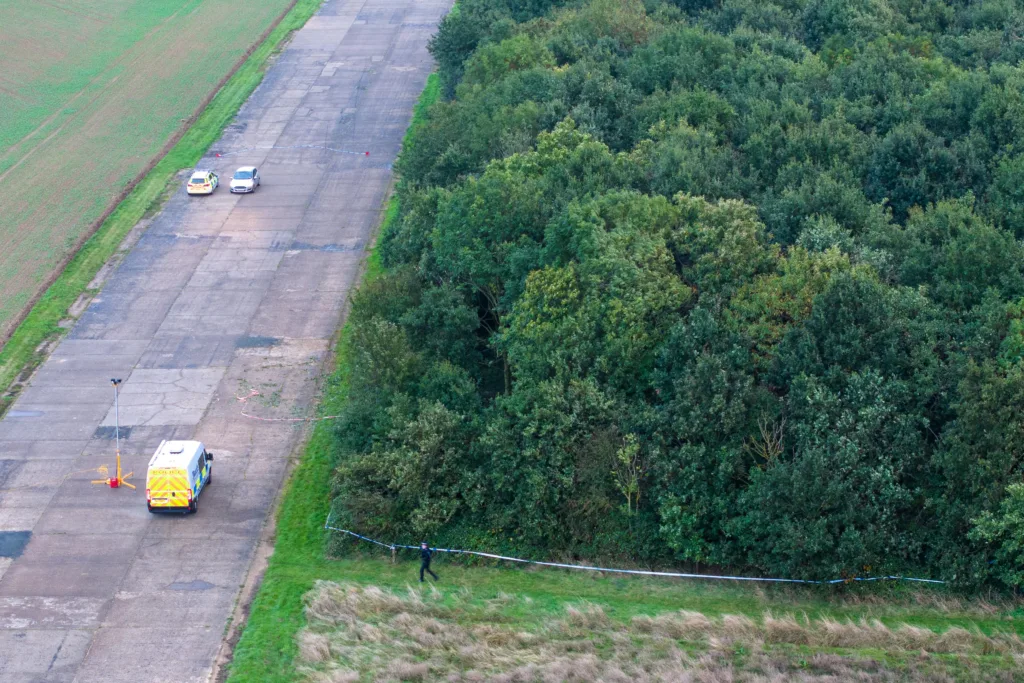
(323, 147)
(678, 575)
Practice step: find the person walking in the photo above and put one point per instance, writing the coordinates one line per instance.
(425, 555)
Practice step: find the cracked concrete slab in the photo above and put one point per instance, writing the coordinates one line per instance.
(184, 350)
(220, 297)
(165, 396)
(41, 450)
(41, 654)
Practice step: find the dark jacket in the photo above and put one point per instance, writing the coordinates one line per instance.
(425, 555)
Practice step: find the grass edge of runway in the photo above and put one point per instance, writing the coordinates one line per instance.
(30, 341)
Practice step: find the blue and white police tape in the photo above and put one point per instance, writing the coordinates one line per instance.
(676, 575)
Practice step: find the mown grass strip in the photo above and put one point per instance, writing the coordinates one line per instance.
(22, 352)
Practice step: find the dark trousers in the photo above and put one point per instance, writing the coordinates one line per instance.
(425, 567)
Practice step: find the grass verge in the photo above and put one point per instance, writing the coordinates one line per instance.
(364, 618)
(26, 347)
(357, 631)
(708, 630)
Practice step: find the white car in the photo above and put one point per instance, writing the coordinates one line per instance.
(246, 179)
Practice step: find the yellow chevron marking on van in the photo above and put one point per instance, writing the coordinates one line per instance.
(165, 482)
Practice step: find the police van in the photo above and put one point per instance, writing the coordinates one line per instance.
(177, 474)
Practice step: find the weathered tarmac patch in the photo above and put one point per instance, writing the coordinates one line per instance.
(197, 585)
(12, 543)
(112, 433)
(256, 342)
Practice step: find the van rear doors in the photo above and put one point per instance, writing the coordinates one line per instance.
(167, 487)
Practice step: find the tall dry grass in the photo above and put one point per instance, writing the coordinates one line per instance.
(367, 633)
(830, 633)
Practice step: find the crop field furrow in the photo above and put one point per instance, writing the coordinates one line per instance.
(91, 113)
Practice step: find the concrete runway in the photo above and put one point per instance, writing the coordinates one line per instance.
(225, 304)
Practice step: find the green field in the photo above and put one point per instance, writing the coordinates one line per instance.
(90, 95)
(362, 617)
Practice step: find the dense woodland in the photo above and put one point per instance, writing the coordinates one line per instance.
(688, 282)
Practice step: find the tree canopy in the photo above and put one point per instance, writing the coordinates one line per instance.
(706, 281)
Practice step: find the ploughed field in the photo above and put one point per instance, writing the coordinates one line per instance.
(90, 93)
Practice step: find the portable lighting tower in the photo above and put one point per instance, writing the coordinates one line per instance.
(117, 480)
